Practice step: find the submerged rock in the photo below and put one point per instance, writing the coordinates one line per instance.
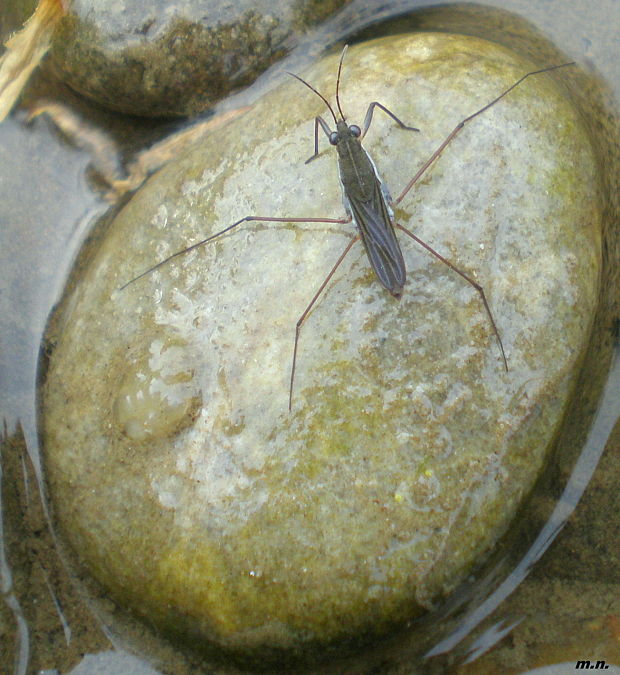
(176, 471)
(162, 58)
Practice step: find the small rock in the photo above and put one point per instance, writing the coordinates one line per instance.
(161, 58)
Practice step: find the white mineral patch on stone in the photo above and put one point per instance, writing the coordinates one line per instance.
(156, 398)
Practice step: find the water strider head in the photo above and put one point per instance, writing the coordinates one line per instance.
(343, 130)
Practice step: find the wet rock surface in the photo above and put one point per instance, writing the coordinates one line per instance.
(175, 58)
(176, 472)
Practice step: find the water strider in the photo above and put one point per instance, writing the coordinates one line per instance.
(368, 205)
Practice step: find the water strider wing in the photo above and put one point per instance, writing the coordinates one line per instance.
(375, 227)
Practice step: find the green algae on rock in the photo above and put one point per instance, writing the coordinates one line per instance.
(242, 527)
(162, 58)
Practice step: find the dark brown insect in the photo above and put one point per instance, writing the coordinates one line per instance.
(368, 205)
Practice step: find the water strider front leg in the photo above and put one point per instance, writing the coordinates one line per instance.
(318, 120)
(387, 111)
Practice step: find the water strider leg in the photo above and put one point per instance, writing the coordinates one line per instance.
(326, 130)
(431, 160)
(463, 122)
(247, 219)
(302, 318)
(368, 118)
(469, 280)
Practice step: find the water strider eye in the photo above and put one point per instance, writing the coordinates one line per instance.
(333, 138)
(355, 130)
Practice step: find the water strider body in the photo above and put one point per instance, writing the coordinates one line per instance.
(366, 200)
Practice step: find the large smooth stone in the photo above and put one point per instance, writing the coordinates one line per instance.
(176, 471)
